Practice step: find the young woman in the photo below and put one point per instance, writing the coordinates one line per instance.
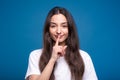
(61, 57)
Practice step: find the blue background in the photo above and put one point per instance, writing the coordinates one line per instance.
(21, 27)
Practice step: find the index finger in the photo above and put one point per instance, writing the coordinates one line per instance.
(57, 41)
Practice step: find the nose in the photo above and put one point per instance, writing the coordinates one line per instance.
(58, 30)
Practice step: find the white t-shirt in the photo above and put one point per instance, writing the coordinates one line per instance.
(62, 71)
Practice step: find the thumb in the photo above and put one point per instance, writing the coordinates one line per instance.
(65, 47)
(64, 50)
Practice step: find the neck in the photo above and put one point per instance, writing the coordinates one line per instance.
(62, 43)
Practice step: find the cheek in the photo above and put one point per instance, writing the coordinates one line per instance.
(51, 34)
(52, 37)
(51, 31)
(67, 35)
(66, 31)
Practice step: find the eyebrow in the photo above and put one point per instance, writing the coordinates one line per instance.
(55, 23)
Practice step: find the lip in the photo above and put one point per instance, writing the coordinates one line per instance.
(56, 36)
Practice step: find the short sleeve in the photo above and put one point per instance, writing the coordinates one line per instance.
(33, 63)
(89, 73)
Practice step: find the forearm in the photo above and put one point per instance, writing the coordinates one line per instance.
(45, 75)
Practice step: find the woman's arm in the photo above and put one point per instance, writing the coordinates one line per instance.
(45, 75)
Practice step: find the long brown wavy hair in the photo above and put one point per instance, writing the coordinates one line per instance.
(72, 56)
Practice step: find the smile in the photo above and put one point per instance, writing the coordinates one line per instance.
(56, 36)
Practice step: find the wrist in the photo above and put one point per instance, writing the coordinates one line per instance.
(52, 60)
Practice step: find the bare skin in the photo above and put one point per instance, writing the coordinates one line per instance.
(59, 32)
(57, 52)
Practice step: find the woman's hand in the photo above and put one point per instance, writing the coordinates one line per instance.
(58, 50)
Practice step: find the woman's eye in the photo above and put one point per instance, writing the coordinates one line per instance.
(65, 26)
(52, 26)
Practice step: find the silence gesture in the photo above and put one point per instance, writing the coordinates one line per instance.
(58, 50)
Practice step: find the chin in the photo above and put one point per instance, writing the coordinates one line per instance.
(61, 41)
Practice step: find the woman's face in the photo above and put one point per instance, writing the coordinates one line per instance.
(58, 27)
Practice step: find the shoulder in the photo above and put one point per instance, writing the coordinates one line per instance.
(33, 64)
(35, 53)
(89, 72)
(85, 56)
